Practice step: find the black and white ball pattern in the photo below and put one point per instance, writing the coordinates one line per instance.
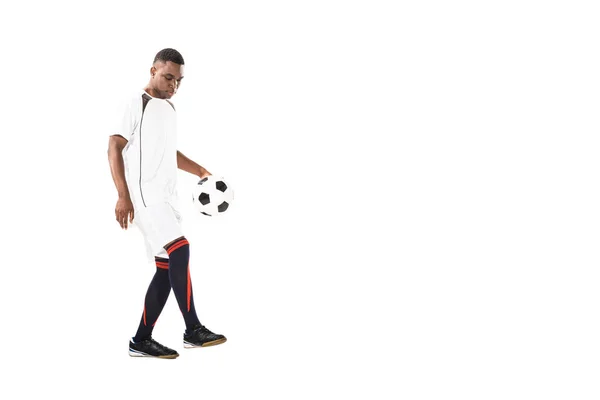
(212, 196)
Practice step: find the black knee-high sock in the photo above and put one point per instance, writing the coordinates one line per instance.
(156, 298)
(179, 273)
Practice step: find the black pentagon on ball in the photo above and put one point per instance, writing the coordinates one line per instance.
(205, 213)
(204, 198)
(221, 186)
(223, 206)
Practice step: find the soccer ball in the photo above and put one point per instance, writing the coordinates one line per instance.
(212, 196)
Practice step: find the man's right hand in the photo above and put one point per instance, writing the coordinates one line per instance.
(124, 211)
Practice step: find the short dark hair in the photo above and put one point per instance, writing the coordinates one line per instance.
(169, 54)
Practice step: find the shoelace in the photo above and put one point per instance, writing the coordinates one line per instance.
(160, 346)
(201, 329)
(205, 330)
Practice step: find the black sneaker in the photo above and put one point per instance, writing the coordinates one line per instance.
(202, 337)
(150, 348)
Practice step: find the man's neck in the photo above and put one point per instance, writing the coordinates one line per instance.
(151, 92)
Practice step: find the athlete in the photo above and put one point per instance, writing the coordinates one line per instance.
(143, 159)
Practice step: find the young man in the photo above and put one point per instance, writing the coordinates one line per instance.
(143, 159)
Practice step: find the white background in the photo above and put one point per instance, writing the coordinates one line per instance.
(416, 211)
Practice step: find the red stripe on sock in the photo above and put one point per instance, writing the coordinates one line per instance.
(144, 315)
(177, 241)
(162, 265)
(189, 287)
(177, 245)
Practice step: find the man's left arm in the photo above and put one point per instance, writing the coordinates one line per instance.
(190, 166)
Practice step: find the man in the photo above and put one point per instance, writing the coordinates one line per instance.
(143, 159)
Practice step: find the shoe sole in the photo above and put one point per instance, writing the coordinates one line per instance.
(135, 353)
(189, 345)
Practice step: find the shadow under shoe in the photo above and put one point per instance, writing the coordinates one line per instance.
(200, 336)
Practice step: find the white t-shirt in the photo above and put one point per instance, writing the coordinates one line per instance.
(150, 126)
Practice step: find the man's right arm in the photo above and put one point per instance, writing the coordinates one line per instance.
(124, 207)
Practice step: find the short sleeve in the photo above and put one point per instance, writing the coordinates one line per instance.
(124, 121)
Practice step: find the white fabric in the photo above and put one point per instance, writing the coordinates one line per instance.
(160, 224)
(150, 155)
(150, 159)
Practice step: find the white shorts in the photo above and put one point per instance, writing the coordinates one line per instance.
(160, 224)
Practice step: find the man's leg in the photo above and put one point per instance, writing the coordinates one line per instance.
(143, 345)
(196, 335)
(179, 274)
(156, 298)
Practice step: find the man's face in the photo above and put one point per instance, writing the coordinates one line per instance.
(166, 78)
